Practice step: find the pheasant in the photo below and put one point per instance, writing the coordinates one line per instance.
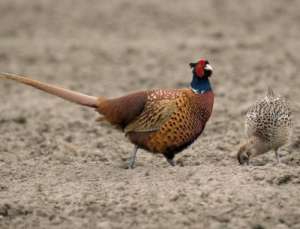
(162, 121)
(268, 127)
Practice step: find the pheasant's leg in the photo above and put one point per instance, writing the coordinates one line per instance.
(277, 156)
(133, 157)
(171, 162)
(170, 158)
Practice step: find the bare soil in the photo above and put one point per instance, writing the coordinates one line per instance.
(61, 169)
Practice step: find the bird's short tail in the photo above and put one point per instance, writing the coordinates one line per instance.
(66, 94)
(270, 92)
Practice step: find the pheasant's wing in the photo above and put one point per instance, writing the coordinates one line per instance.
(255, 119)
(155, 114)
(123, 110)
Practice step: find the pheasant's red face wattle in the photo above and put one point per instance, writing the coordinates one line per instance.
(199, 69)
(202, 68)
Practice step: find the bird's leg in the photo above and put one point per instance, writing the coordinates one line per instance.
(171, 162)
(277, 156)
(133, 157)
(170, 158)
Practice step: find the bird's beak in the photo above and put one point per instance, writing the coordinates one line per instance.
(192, 65)
(208, 67)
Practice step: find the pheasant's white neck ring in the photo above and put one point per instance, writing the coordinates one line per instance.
(199, 85)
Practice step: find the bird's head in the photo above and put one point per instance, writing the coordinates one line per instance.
(252, 148)
(202, 68)
(244, 154)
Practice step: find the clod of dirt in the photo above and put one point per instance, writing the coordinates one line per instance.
(20, 120)
(284, 179)
(8, 210)
(258, 226)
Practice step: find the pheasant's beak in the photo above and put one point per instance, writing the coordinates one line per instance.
(208, 70)
(208, 67)
(192, 65)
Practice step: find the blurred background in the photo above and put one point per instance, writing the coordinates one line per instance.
(59, 168)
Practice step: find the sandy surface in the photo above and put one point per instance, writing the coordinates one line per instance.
(60, 169)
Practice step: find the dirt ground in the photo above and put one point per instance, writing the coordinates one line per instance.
(61, 169)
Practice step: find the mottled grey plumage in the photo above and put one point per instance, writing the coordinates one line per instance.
(268, 126)
(270, 119)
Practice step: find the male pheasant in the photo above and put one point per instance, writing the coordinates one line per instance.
(268, 127)
(163, 121)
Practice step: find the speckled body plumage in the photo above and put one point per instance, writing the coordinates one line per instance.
(270, 120)
(268, 125)
(170, 119)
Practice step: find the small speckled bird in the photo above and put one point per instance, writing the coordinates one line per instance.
(268, 127)
(163, 121)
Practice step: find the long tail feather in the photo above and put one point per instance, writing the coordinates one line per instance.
(66, 94)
